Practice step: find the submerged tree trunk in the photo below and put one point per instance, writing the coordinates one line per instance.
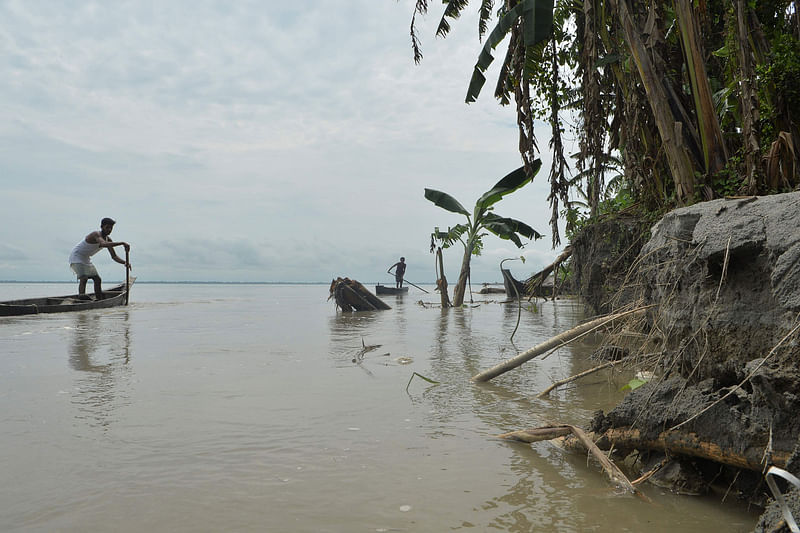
(461, 284)
(441, 283)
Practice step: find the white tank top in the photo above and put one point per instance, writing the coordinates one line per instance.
(82, 252)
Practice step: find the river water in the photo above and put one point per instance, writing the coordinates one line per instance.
(204, 407)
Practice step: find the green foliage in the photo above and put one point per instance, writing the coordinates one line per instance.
(778, 80)
(554, 49)
(634, 384)
(538, 17)
(471, 234)
(616, 203)
(483, 217)
(448, 238)
(728, 181)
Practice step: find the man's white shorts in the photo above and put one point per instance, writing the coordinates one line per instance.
(82, 270)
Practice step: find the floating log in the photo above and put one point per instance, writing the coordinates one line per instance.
(491, 290)
(350, 295)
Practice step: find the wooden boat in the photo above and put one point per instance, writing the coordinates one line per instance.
(386, 289)
(112, 297)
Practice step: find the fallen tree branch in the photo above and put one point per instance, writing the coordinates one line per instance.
(537, 434)
(553, 432)
(560, 339)
(673, 442)
(612, 471)
(575, 377)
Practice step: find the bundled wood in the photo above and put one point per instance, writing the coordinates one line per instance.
(350, 295)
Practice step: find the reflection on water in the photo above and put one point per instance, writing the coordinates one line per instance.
(220, 408)
(100, 351)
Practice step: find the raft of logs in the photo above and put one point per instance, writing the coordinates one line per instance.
(350, 295)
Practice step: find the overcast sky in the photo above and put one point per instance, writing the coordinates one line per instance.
(248, 141)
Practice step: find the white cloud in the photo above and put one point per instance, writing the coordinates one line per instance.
(246, 141)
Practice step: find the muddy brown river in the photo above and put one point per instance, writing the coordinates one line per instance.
(206, 407)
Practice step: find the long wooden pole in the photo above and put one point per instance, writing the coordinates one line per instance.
(539, 349)
(127, 274)
(420, 288)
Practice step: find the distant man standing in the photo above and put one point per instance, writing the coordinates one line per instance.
(399, 272)
(80, 258)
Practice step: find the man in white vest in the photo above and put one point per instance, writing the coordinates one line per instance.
(80, 259)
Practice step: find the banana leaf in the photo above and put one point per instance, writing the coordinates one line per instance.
(451, 236)
(508, 228)
(445, 201)
(538, 19)
(510, 183)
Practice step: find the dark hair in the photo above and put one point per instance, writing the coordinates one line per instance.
(107, 221)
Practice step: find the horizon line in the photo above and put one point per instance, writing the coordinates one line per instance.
(212, 282)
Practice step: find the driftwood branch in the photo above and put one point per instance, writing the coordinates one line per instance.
(674, 442)
(613, 472)
(575, 377)
(537, 434)
(558, 340)
(552, 432)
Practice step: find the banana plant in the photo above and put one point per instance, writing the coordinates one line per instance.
(483, 220)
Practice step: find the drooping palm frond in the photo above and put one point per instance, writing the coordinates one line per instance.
(452, 10)
(537, 16)
(485, 15)
(420, 7)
